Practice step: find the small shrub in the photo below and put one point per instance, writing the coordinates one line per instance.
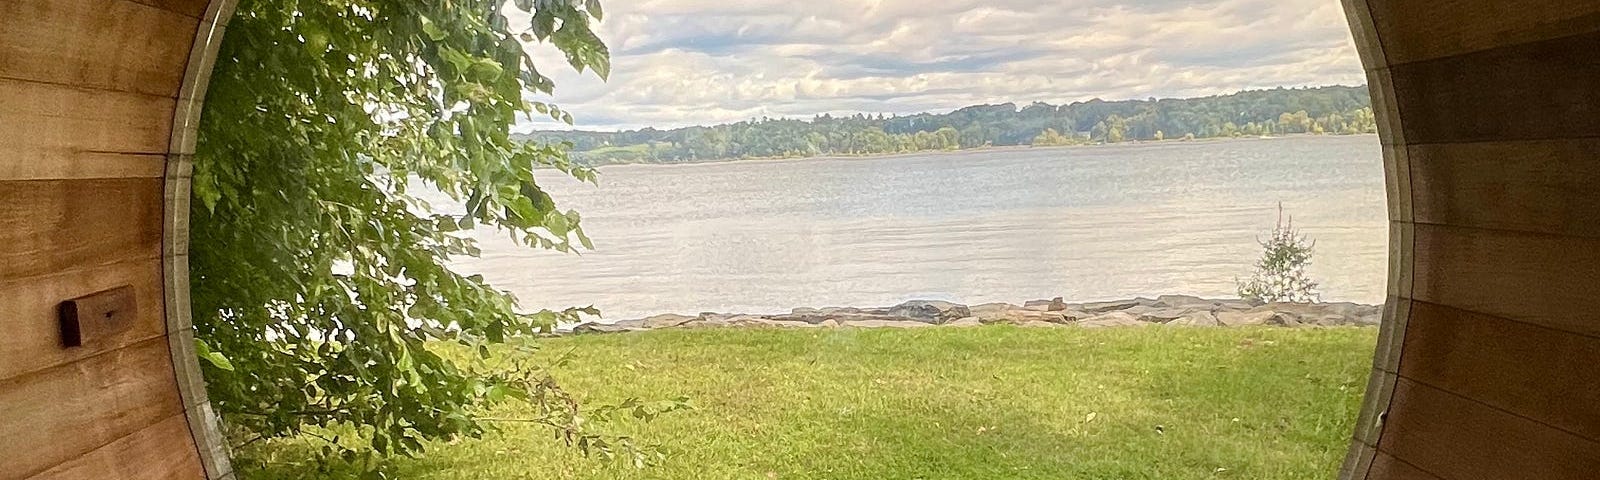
(1280, 274)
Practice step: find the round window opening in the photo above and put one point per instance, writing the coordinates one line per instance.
(889, 241)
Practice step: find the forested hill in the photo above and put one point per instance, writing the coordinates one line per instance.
(1280, 111)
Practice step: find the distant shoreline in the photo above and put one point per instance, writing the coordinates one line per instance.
(963, 151)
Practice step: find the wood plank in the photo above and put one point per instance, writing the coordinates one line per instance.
(58, 131)
(1512, 366)
(192, 8)
(1535, 278)
(58, 225)
(58, 414)
(1386, 467)
(159, 452)
(1537, 186)
(112, 45)
(33, 341)
(81, 165)
(1417, 30)
(1541, 90)
(1456, 438)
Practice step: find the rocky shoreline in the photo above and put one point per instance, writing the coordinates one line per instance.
(1176, 310)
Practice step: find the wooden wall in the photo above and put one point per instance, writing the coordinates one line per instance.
(1489, 362)
(97, 109)
(1488, 365)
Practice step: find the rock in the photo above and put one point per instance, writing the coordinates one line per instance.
(1051, 305)
(593, 327)
(1021, 316)
(666, 320)
(991, 308)
(930, 311)
(965, 322)
(1199, 318)
(873, 323)
(1322, 314)
(1164, 315)
(1102, 307)
(1234, 305)
(1237, 319)
(1113, 319)
(1182, 301)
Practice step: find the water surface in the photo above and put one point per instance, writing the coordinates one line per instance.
(1009, 225)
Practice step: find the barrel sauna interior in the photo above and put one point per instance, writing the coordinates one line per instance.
(1488, 365)
(98, 104)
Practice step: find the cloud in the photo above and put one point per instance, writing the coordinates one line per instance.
(694, 62)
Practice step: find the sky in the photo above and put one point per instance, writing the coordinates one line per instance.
(677, 63)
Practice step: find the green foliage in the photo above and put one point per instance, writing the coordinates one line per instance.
(320, 286)
(1050, 137)
(1280, 274)
(1334, 110)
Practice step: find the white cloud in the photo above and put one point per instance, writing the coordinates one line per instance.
(687, 62)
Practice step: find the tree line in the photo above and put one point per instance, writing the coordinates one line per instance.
(1281, 111)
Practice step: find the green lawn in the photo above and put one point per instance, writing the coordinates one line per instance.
(994, 402)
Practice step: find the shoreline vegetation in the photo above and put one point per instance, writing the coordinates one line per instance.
(1169, 310)
(1333, 110)
(980, 149)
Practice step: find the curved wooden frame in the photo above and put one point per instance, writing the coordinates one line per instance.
(1488, 114)
(1486, 360)
(203, 421)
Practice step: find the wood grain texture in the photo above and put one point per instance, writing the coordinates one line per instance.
(1417, 30)
(192, 8)
(61, 413)
(1533, 278)
(1542, 90)
(1543, 186)
(159, 452)
(59, 225)
(104, 44)
(1386, 467)
(32, 339)
(1539, 373)
(58, 131)
(1457, 438)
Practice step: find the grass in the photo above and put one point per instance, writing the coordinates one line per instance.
(995, 402)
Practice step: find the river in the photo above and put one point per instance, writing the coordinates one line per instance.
(1085, 223)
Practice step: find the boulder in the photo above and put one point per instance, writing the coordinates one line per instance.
(1322, 314)
(986, 308)
(1102, 307)
(1113, 319)
(666, 320)
(1051, 305)
(965, 322)
(1182, 301)
(1199, 318)
(1164, 315)
(1250, 317)
(879, 323)
(594, 327)
(1023, 316)
(930, 311)
(1234, 305)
